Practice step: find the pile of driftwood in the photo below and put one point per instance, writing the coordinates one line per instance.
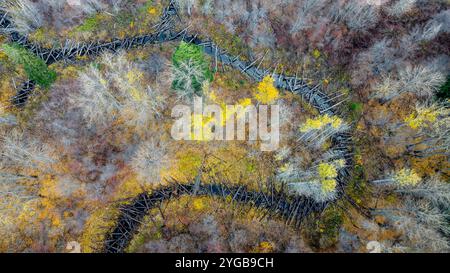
(70, 50)
(271, 202)
(292, 209)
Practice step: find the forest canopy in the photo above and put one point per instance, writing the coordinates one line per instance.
(356, 92)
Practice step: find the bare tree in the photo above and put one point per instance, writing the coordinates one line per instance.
(117, 90)
(157, 100)
(306, 9)
(97, 103)
(422, 215)
(401, 7)
(26, 153)
(149, 160)
(443, 18)
(57, 5)
(207, 7)
(356, 15)
(187, 5)
(419, 34)
(416, 236)
(116, 5)
(19, 155)
(25, 15)
(422, 225)
(92, 6)
(6, 118)
(386, 89)
(379, 59)
(422, 80)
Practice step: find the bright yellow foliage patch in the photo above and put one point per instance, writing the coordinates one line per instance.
(326, 170)
(266, 92)
(316, 53)
(328, 185)
(265, 247)
(327, 173)
(3, 56)
(407, 177)
(199, 204)
(152, 11)
(320, 122)
(423, 117)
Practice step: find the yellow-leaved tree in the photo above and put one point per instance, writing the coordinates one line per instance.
(316, 131)
(319, 181)
(266, 92)
(403, 178)
(424, 116)
(327, 173)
